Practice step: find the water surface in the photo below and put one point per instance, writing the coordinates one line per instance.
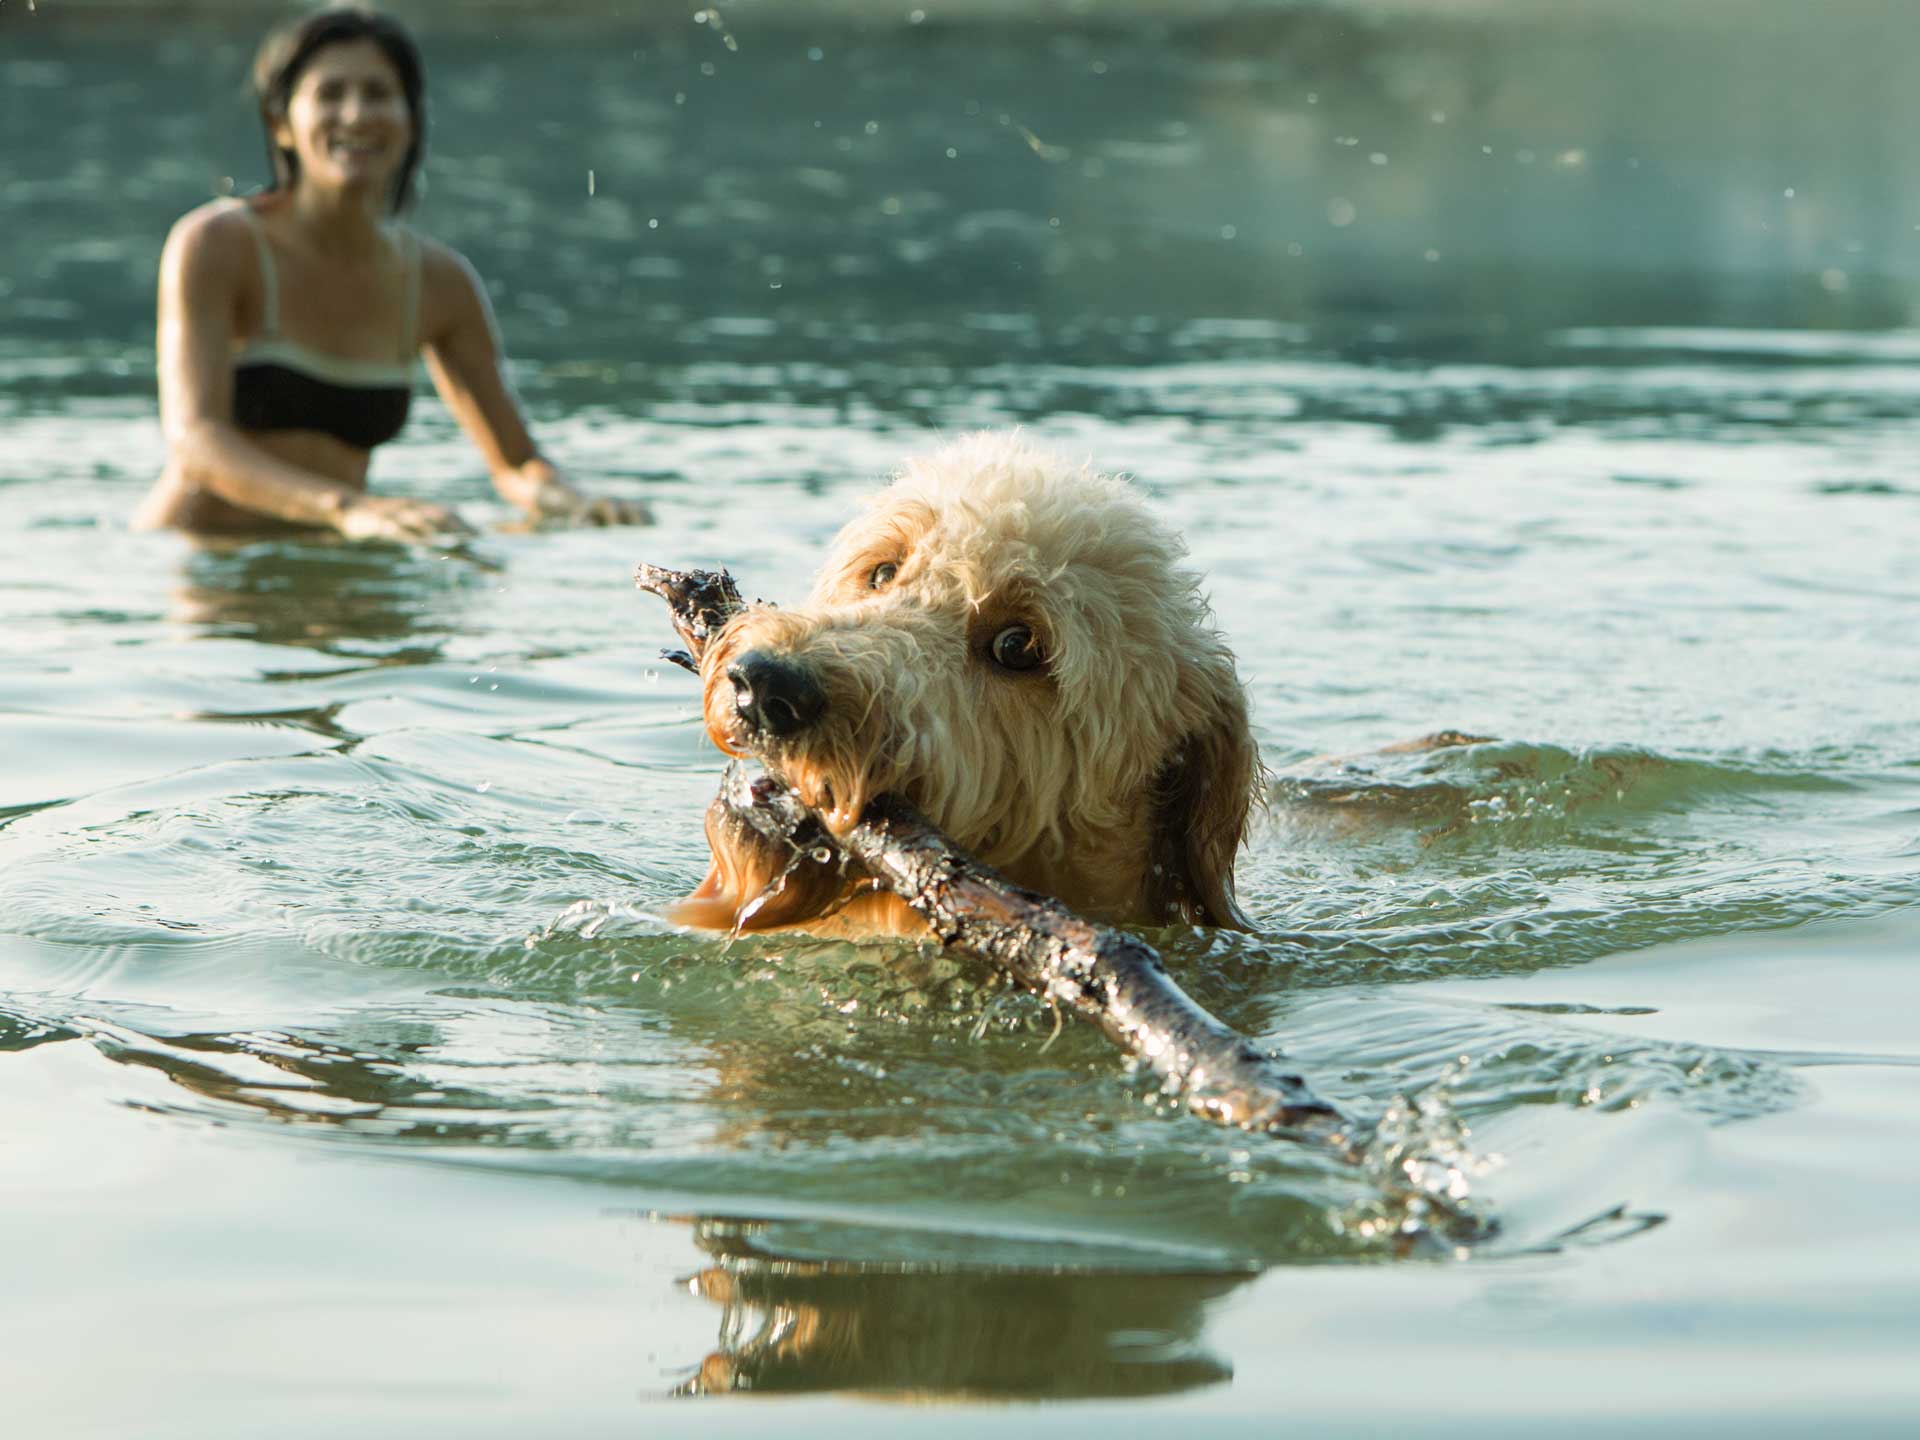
(346, 1062)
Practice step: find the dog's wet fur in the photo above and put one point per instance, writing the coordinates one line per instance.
(1012, 643)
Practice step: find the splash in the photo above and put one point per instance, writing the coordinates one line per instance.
(589, 919)
(1423, 1169)
(774, 888)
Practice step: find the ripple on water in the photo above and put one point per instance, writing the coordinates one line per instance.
(1517, 793)
(369, 847)
(1512, 855)
(591, 1039)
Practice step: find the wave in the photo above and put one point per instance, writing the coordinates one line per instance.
(1519, 792)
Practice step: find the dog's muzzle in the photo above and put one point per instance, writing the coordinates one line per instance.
(774, 696)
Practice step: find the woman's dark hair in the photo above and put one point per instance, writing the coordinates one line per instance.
(288, 51)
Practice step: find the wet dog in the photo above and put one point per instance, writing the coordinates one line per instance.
(1012, 643)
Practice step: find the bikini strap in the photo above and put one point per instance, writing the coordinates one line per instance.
(269, 277)
(410, 300)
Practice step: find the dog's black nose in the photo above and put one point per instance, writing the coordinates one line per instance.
(774, 695)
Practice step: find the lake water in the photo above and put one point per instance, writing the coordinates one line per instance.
(1545, 382)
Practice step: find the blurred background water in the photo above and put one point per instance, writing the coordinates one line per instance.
(1543, 371)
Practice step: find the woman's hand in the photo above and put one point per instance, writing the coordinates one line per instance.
(381, 517)
(558, 501)
(537, 488)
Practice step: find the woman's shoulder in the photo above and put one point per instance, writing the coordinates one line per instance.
(451, 290)
(219, 225)
(442, 266)
(209, 242)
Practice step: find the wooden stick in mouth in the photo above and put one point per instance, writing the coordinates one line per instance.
(1104, 975)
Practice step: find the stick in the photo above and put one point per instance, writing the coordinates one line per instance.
(1107, 976)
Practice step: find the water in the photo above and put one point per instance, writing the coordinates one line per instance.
(346, 1064)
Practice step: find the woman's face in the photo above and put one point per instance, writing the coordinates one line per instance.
(347, 119)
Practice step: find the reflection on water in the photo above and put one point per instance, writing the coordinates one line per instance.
(292, 1079)
(791, 1322)
(337, 597)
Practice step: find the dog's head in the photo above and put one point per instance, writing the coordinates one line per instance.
(1012, 644)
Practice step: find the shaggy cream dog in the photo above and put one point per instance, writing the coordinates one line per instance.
(1010, 642)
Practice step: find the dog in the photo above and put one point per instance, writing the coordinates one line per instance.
(1012, 643)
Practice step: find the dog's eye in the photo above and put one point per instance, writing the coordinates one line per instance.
(882, 575)
(1015, 648)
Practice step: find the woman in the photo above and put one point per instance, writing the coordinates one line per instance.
(289, 321)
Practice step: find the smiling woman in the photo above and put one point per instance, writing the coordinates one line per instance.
(289, 321)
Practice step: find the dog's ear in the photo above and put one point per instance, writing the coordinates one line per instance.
(1204, 795)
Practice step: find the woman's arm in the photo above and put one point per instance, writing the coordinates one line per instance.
(464, 357)
(201, 267)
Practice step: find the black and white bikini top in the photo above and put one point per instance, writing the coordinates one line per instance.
(280, 384)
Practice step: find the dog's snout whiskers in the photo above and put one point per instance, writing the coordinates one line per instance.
(774, 695)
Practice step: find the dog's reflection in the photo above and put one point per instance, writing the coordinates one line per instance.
(913, 1329)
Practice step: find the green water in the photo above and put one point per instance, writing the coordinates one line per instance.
(345, 1071)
